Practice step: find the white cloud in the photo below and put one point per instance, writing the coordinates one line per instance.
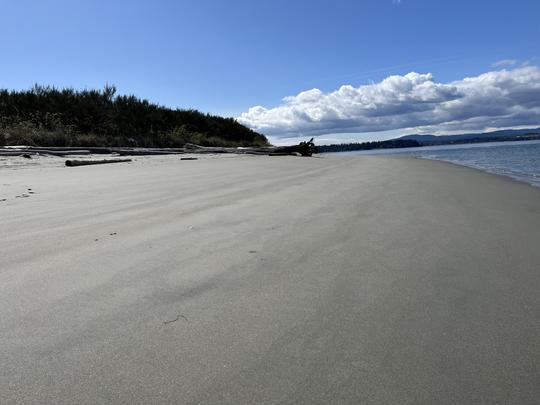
(505, 62)
(499, 98)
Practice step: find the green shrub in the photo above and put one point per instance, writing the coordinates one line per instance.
(46, 116)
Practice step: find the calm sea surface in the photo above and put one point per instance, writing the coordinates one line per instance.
(519, 160)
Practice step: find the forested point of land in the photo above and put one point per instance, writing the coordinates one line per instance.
(47, 116)
(346, 147)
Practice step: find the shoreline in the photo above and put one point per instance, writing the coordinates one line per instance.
(50, 162)
(479, 169)
(254, 279)
(531, 178)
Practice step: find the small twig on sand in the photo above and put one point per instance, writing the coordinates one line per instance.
(176, 319)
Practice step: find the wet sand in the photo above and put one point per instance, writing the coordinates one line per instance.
(241, 280)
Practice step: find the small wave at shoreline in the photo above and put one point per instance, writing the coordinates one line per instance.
(517, 160)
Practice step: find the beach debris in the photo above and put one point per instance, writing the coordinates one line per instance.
(176, 319)
(189, 158)
(112, 233)
(29, 152)
(72, 163)
(148, 152)
(302, 149)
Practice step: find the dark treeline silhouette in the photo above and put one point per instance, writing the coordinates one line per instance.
(346, 147)
(46, 116)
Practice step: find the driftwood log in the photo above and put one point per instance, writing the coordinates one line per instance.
(60, 153)
(72, 163)
(303, 149)
(17, 153)
(148, 152)
(20, 152)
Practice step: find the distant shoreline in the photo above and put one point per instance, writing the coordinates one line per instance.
(406, 142)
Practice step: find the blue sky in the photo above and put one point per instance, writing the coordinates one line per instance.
(226, 57)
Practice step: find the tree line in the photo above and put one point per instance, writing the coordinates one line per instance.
(390, 144)
(47, 116)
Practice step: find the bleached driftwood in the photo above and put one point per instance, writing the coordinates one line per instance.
(72, 163)
(303, 149)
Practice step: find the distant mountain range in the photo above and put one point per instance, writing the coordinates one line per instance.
(502, 135)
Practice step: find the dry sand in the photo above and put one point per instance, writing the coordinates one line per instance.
(373, 280)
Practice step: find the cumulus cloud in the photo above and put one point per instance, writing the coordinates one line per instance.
(499, 98)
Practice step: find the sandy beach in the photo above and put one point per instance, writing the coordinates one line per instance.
(245, 280)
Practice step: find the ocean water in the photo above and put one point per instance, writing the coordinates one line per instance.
(518, 160)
